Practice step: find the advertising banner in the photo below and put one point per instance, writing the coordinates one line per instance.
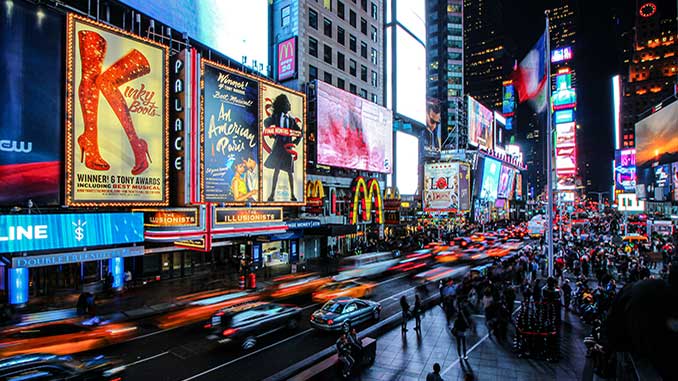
(33, 232)
(76, 257)
(480, 131)
(171, 217)
(432, 124)
(446, 187)
(231, 216)
(625, 170)
(182, 69)
(287, 59)
(352, 132)
(564, 116)
(561, 54)
(282, 150)
(674, 180)
(230, 152)
(657, 137)
(116, 125)
(508, 106)
(519, 186)
(31, 105)
(491, 171)
(505, 182)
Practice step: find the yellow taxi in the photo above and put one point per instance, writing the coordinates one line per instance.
(349, 288)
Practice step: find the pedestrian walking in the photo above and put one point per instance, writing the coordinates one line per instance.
(417, 311)
(406, 312)
(462, 323)
(435, 375)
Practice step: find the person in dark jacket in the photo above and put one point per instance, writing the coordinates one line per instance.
(462, 323)
(405, 307)
(417, 311)
(344, 353)
(282, 155)
(356, 346)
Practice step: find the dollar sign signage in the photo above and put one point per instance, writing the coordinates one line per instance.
(79, 230)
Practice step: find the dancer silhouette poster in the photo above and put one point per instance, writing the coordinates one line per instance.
(230, 154)
(116, 126)
(283, 153)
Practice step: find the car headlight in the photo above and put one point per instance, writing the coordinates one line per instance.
(113, 371)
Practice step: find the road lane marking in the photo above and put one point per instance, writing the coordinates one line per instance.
(146, 359)
(392, 279)
(246, 356)
(153, 333)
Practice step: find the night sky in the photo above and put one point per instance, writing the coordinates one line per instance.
(597, 58)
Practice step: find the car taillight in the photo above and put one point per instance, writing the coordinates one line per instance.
(312, 318)
(208, 325)
(220, 313)
(330, 322)
(229, 332)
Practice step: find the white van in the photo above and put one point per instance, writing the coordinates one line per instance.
(537, 226)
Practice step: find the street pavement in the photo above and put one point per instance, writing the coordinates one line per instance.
(410, 358)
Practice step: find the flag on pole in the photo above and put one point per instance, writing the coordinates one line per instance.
(531, 77)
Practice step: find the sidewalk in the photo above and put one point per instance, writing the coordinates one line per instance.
(408, 357)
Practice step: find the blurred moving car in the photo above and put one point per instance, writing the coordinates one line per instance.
(366, 265)
(413, 261)
(295, 285)
(199, 309)
(344, 313)
(62, 338)
(244, 324)
(350, 288)
(52, 367)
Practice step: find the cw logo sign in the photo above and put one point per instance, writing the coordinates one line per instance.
(371, 198)
(314, 196)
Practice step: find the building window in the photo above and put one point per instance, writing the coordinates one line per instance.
(352, 17)
(352, 67)
(363, 26)
(363, 93)
(363, 49)
(363, 5)
(373, 33)
(373, 56)
(341, 61)
(313, 47)
(374, 78)
(363, 73)
(312, 73)
(327, 78)
(375, 11)
(328, 5)
(285, 16)
(341, 35)
(374, 96)
(327, 54)
(313, 19)
(352, 43)
(352, 89)
(327, 27)
(341, 83)
(340, 9)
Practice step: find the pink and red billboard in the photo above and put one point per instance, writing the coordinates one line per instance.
(287, 59)
(353, 132)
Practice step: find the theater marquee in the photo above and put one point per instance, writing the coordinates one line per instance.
(231, 216)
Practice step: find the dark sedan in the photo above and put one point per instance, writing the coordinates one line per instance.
(244, 324)
(343, 313)
(52, 367)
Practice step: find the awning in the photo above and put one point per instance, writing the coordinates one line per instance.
(332, 230)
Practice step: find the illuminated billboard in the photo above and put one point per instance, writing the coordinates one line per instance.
(564, 98)
(287, 59)
(563, 81)
(353, 132)
(561, 54)
(505, 186)
(446, 187)
(236, 31)
(480, 122)
(490, 179)
(116, 122)
(564, 116)
(565, 134)
(662, 182)
(508, 106)
(657, 137)
(407, 163)
(674, 180)
(625, 170)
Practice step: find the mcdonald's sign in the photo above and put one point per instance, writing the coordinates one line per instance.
(314, 196)
(287, 59)
(371, 198)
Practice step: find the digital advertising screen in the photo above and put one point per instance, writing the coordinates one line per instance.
(412, 14)
(561, 54)
(283, 154)
(674, 180)
(480, 123)
(287, 59)
(657, 137)
(490, 182)
(566, 98)
(499, 130)
(31, 105)
(446, 187)
(662, 181)
(565, 134)
(235, 31)
(625, 170)
(519, 186)
(410, 76)
(508, 106)
(505, 182)
(564, 116)
(353, 132)
(563, 81)
(230, 111)
(116, 123)
(566, 159)
(407, 163)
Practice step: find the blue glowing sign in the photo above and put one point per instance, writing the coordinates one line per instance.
(564, 116)
(561, 54)
(490, 185)
(18, 285)
(116, 266)
(33, 232)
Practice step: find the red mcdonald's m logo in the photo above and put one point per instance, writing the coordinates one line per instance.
(371, 197)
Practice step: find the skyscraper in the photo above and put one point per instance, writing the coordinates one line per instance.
(488, 53)
(563, 32)
(653, 67)
(445, 67)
